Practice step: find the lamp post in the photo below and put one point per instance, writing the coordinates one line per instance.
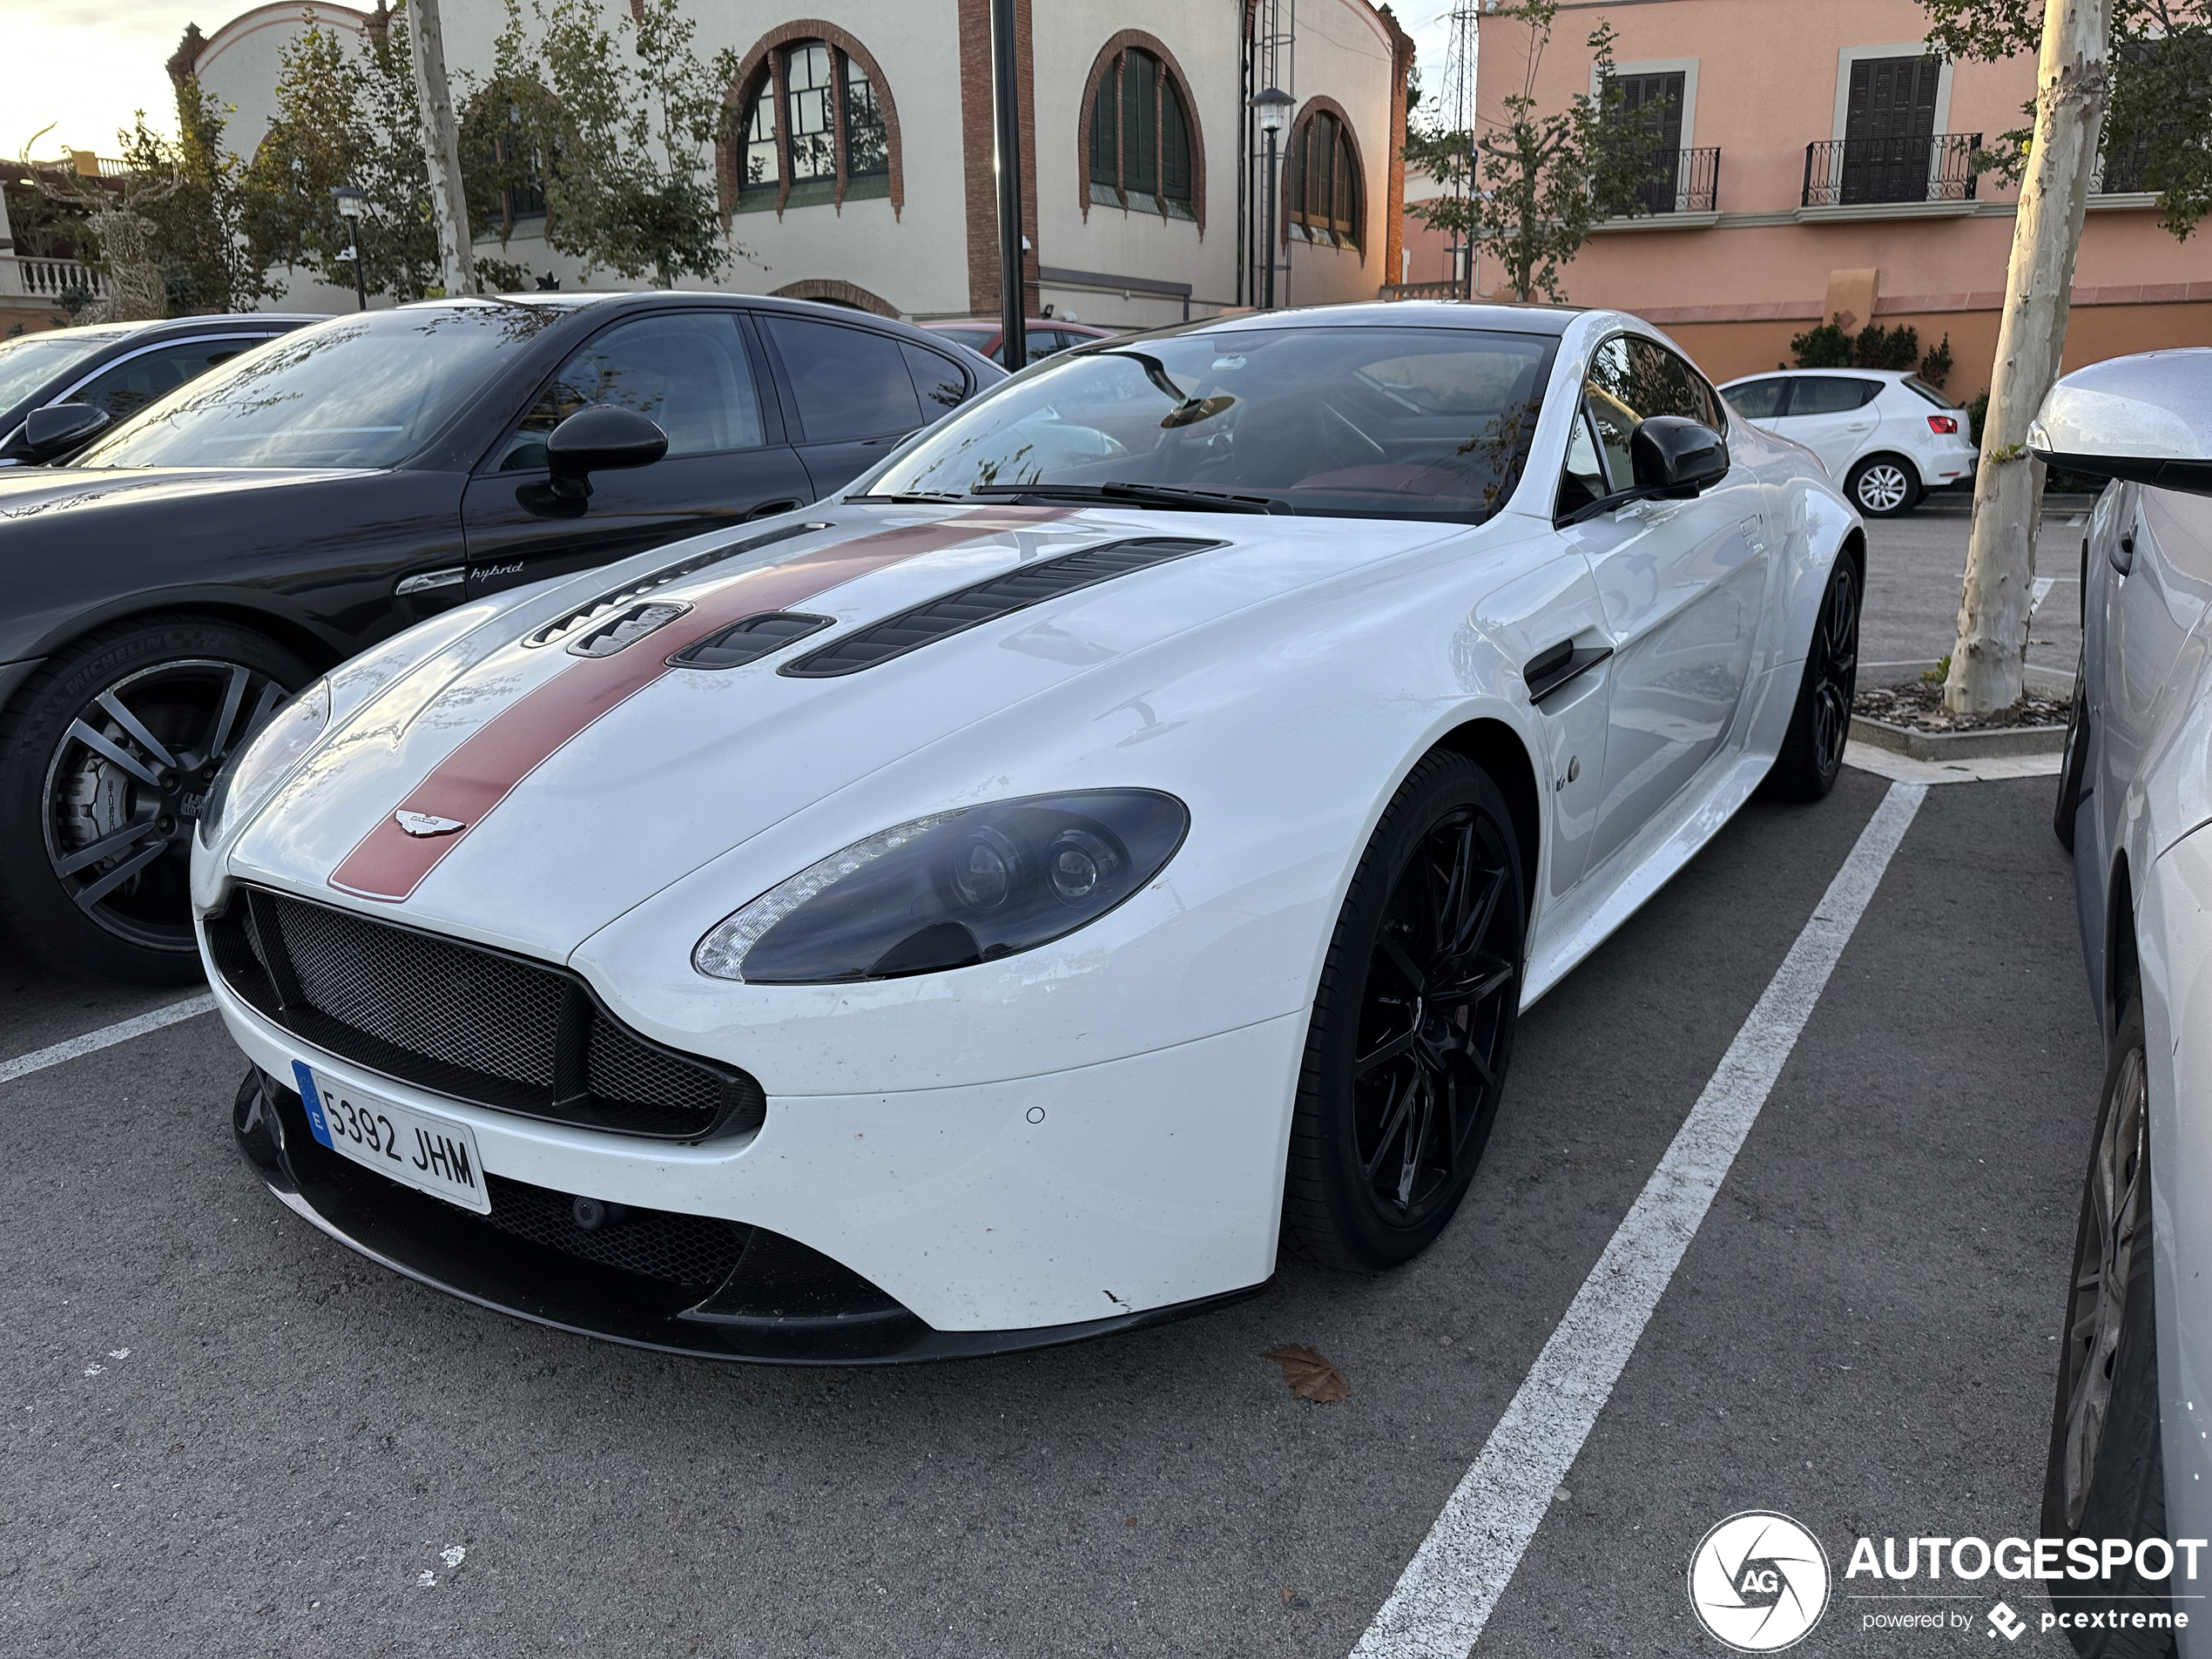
(1013, 311)
(350, 201)
(1273, 108)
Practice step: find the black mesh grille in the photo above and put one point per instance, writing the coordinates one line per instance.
(467, 1022)
(985, 601)
(694, 1250)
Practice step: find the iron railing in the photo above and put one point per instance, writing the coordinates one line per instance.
(1684, 181)
(1451, 288)
(2122, 171)
(1841, 172)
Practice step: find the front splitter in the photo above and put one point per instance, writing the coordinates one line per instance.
(451, 1250)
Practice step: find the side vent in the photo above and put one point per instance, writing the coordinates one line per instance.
(593, 610)
(748, 641)
(972, 607)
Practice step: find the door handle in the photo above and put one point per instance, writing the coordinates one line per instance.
(2121, 554)
(452, 576)
(769, 509)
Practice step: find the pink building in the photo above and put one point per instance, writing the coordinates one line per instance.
(1821, 168)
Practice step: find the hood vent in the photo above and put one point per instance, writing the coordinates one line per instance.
(593, 610)
(971, 607)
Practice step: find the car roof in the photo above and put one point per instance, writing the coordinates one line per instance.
(1825, 374)
(95, 331)
(1410, 313)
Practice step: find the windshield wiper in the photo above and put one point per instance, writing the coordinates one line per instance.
(1201, 501)
(915, 497)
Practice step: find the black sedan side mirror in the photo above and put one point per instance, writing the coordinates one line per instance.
(59, 429)
(597, 440)
(1674, 455)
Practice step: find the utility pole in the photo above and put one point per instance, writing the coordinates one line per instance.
(2073, 89)
(1006, 85)
(440, 145)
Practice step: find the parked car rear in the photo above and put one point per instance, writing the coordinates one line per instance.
(1888, 437)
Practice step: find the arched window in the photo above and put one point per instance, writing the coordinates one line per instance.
(809, 124)
(1321, 184)
(1140, 143)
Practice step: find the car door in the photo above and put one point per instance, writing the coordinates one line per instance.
(1831, 416)
(855, 392)
(697, 374)
(2151, 609)
(1683, 585)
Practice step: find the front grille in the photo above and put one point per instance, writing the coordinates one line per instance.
(467, 1022)
(698, 1252)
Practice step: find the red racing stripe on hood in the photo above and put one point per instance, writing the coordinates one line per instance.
(387, 863)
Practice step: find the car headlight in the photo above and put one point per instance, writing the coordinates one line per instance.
(257, 766)
(951, 889)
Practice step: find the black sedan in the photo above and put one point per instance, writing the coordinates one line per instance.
(115, 368)
(169, 589)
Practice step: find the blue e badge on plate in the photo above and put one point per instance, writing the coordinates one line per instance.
(313, 1102)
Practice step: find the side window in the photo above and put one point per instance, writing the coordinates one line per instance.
(849, 382)
(1584, 480)
(686, 372)
(938, 380)
(129, 386)
(1759, 400)
(1609, 395)
(1831, 395)
(1665, 384)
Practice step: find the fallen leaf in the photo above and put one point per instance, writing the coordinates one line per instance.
(1310, 1376)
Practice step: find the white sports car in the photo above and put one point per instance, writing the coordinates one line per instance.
(1003, 903)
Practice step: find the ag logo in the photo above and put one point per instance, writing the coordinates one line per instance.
(1758, 1582)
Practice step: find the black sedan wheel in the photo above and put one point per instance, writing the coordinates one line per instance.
(106, 761)
(2105, 1476)
(1812, 749)
(1412, 1025)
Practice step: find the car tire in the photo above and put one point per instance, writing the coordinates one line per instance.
(1811, 756)
(1412, 1025)
(2105, 1474)
(2072, 768)
(1884, 486)
(62, 793)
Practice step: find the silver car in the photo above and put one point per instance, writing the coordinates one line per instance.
(2129, 1456)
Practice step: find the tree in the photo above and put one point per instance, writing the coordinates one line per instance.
(198, 222)
(344, 118)
(1528, 191)
(112, 215)
(617, 134)
(2164, 52)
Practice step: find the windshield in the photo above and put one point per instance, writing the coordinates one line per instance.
(364, 391)
(29, 363)
(1355, 422)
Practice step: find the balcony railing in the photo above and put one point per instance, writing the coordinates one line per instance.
(2122, 171)
(1687, 181)
(1843, 172)
(22, 276)
(1450, 289)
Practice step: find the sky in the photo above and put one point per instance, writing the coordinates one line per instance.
(86, 66)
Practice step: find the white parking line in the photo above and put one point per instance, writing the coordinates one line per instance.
(106, 1037)
(1456, 1577)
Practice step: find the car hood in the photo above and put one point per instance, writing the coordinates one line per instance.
(545, 790)
(36, 493)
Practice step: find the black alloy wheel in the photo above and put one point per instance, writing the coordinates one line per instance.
(2105, 1474)
(1812, 750)
(106, 766)
(1412, 1025)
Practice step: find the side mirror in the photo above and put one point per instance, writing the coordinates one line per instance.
(2146, 418)
(597, 440)
(1675, 456)
(59, 429)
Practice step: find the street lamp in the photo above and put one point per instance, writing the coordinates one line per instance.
(1273, 108)
(350, 200)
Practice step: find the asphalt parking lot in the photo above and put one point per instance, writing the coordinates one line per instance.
(227, 1434)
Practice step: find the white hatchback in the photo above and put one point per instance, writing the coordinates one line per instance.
(1888, 437)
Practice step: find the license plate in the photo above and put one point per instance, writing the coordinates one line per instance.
(421, 1150)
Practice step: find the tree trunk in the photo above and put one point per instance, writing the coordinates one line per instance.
(440, 145)
(2073, 88)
